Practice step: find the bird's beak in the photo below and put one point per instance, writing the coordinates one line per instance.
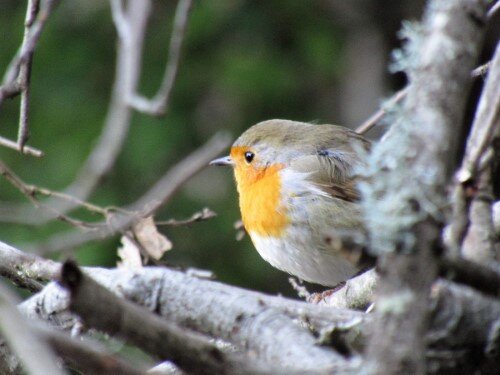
(224, 161)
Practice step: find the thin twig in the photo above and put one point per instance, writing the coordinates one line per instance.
(146, 205)
(158, 105)
(25, 76)
(26, 149)
(29, 192)
(373, 120)
(17, 77)
(486, 122)
(202, 215)
(88, 356)
(494, 9)
(118, 119)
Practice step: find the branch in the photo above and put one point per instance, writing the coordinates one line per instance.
(36, 357)
(374, 119)
(17, 77)
(26, 149)
(30, 191)
(87, 356)
(403, 219)
(148, 204)
(118, 118)
(24, 269)
(158, 105)
(486, 122)
(102, 310)
(461, 330)
(252, 321)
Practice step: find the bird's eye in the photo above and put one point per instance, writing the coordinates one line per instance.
(249, 156)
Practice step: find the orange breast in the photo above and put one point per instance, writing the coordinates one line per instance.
(260, 200)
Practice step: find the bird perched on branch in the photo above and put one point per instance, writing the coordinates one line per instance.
(298, 197)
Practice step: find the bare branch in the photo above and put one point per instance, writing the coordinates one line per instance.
(36, 357)
(103, 156)
(101, 309)
(158, 105)
(26, 149)
(373, 120)
(478, 242)
(148, 204)
(494, 9)
(87, 355)
(26, 270)
(30, 191)
(486, 122)
(120, 20)
(202, 215)
(17, 77)
(358, 292)
(403, 218)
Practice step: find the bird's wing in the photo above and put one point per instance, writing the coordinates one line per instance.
(332, 165)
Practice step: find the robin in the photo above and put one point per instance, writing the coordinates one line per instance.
(298, 196)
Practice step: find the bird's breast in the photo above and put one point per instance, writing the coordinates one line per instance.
(261, 203)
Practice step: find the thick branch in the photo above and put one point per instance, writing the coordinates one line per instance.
(36, 357)
(102, 310)
(409, 172)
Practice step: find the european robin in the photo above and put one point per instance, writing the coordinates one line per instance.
(297, 192)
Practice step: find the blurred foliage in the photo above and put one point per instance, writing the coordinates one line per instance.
(243, 62)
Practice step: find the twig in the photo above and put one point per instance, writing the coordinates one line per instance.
(26, 149)
(486, 122)
(86, 355)
(103, 156)
(300, 288)
(374, 119)
(36, 357)
(481, 70)
(25, 76)
(101, 309)
(10, 85)
(158, 105)
(202, 215)
(17, 77)
(479, 240)
(366, 126)
(146, 205)
(463, 271)
(494, 9)
(29, 192)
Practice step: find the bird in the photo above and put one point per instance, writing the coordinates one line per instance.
(298, 197)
